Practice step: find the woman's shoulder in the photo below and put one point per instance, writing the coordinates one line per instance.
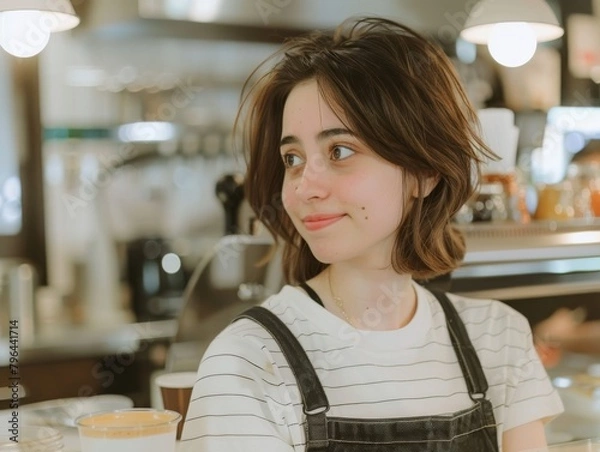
(246, 335)
(486, 314)
(283, 304)
(470, 306)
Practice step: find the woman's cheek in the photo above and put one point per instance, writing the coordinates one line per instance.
(287, 197)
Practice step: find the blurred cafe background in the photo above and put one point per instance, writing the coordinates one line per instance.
(125, 240)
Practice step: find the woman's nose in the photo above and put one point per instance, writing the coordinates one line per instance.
(315, 179)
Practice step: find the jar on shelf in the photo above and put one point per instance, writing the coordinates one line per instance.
(585, 177)
(489, 204)
(594, 186)
(556, 202)
(464, 214)
(514, 192)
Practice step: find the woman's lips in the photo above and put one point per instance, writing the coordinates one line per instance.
(316, 222)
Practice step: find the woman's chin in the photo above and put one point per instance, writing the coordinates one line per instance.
(324, 253)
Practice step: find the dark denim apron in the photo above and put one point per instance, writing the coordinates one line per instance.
(469, 430)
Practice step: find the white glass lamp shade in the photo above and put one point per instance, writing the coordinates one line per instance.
(512, 44)
(26, 25)
(55, 15)
(21, 35)
(488, 13)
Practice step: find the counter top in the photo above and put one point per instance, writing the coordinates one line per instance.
(70, 341)
(540, 240)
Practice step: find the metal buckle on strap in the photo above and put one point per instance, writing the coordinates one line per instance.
(477, 396)
(319, 410)
(316, 429)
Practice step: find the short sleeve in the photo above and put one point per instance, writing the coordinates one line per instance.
(237, 403)
(530, 394)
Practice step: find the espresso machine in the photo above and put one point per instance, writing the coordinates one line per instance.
(156, 278)
(230, 191)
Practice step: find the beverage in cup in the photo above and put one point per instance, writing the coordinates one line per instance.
(176, 390)
(128, 430)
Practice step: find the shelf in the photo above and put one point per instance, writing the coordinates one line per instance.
(489, 243)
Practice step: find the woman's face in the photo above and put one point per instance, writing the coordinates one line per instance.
(344, 199)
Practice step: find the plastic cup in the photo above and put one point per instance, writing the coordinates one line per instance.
(129, 430)
(32, 439)
(176, 391)
(586, 445)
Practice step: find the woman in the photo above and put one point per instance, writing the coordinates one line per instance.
(361, 149)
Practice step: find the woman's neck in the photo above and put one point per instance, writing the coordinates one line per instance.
(369, 299)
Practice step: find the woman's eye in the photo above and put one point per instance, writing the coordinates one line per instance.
(341, 152)
(291, 160)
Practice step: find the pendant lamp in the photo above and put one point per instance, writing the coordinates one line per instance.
(511, 28)
(26, 25)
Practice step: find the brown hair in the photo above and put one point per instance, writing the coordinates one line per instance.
(400, 94)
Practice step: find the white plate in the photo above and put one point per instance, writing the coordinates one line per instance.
(63, 412)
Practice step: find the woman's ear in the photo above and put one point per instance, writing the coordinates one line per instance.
(427, 184)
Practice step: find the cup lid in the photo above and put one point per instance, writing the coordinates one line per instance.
(128, 418)
(176, 380)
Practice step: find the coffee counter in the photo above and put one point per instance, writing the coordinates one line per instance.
(538, 241)
(535, 268)
(70, 341)
(79, 361)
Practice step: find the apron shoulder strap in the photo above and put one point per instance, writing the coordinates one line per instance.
(463, 347)
(311, 390)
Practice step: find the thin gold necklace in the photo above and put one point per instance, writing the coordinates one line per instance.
(339, 302)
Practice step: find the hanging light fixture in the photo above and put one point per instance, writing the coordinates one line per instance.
(511, 28)
(26, 25)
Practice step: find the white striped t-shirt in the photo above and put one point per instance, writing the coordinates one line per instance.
(246, 398)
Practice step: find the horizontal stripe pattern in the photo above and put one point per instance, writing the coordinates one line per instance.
(246, 397)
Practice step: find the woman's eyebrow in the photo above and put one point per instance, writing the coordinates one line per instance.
(328, 133)
(322, 135)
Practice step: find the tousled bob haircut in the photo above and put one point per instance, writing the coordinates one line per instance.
(399, 93)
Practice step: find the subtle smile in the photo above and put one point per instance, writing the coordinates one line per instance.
(316, 222)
